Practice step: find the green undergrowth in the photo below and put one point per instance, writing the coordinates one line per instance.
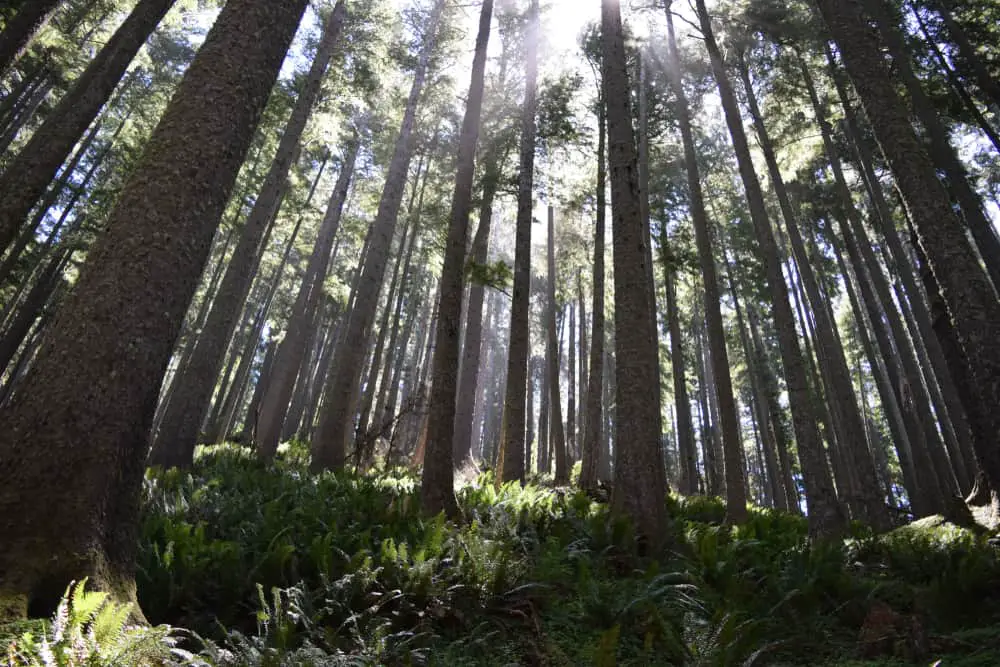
(269, 565)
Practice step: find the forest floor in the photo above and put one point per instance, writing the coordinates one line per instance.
(274, 566)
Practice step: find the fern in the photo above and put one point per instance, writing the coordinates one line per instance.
(89, 629)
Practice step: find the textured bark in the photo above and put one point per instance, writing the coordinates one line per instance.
(643, 164)
(336, 424)
(470, 385)
(89, 407)
(557, 428)
(437, 492)
(864, 497)
(182, 421)
(732, 445)
(825, 514)
(288, 357)
(939, 145)
(954, 417)
(965, 287)
(593, 434)
(29, 174)
(640, 479)
(20, 30)
(511, 463)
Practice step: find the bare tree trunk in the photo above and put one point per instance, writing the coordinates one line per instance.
(182, 420)
(511, 455)
(640, 479)
(556, 428)
(470, 384)
(88, 407)
(335, 427)
(593, 434)
(732, 446)
(954, 416)
(289, 356)
(939, 145)
(826, 517)
(966, 289)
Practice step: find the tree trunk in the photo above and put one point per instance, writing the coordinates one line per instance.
(732, 446)
(593, 434)
(571, 386)
(20, 30)
(89, 399)
(584, 352)
(825, 514)
(557, 428)
(288, 357)
(511, 455)
(863, 497)
(640, 479)
(335, 427)
(941, 150)
(470, 385)
(967, 51)
(437, 493)
(774, 490)
(965, 287)
(956, 411)
(29, 174)
(181, 422)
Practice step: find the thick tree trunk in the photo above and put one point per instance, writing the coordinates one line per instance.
(640, 479)
(335, 427)
(511, 455)
(29, 174)
(966, 289)
(89, 399)
(19, 31)
(826, 516)
(557, 428)
(182, 421)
